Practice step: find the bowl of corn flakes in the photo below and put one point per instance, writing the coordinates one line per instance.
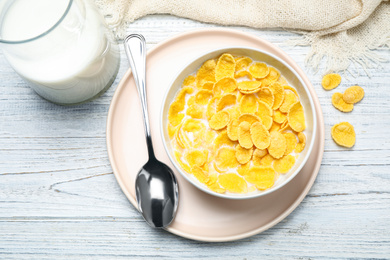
(238, 123)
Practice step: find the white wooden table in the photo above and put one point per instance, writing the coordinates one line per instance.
(59, 197)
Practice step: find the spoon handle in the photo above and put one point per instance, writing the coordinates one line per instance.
(136, 54)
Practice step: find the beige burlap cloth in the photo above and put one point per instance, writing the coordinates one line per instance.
(340, 32)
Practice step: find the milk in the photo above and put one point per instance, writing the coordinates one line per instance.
(72, 63)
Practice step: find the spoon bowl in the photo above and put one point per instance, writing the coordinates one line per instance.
(156, 186)
(154, 197)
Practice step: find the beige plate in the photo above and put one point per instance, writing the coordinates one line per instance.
(200, 216)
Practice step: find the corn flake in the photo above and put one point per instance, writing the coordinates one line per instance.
(262, 176)
(226, 158)
(278, 92)
(203, 96)
(287, 87)
(243, 74)
(277, 145)
(196, 142)
(211, 107)
(243, 169)
(289, 99)
(279, 117)
(242, 63)
(260, 136)
(206, 73)
(264, 112)
(248, 104)
(172, 130)
(340, 104)
(232, 130)
(213, 184)
(210, 137)
(196, 157)
(331, 81)
(283, 81)
(181, 96)
(302, 143)
(243, 155)
(267, 160)
(233, 183)
(193, 125)
(256, 159)
(265, 94)
(248, 87)
(174, 117)
(191, 101)
(195, 129)
(265, 82)
(259, 70)
(260, 152)
(218, 169)
(250, 118)
(195, 111)
(234, 112)
(244, 135)
(344, 134)
(219, 120)
(296, 117)
(223, 140)
(273, 75)
(226, 100)
(284, 164)
(183, 165)
(200, 174)
(189, 81)
(275, 127)
(240, 96)
(208, 85)
(225, 67)
(291, 142)
(285, 127)
(182, 139)
(225, 85)
(353, 94)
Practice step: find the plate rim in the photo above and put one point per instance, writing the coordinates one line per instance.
(285, 213)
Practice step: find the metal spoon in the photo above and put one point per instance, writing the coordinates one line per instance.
(156, 186)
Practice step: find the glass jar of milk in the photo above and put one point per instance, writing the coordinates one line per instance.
(62, 48)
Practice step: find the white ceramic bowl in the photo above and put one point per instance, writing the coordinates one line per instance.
(292, 78)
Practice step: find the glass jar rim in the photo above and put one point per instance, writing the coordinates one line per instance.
(45, 32)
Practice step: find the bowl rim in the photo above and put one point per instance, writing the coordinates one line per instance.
(237, 196)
